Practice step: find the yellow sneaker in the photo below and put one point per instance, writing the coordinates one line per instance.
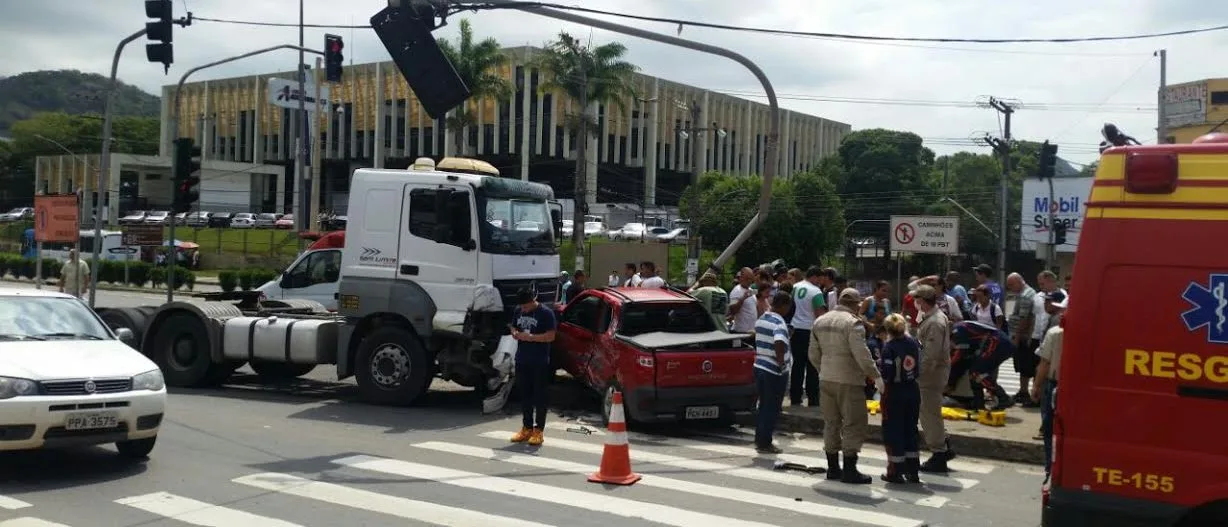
(535, 438)
(523, 435)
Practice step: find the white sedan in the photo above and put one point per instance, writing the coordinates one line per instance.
(67, 380)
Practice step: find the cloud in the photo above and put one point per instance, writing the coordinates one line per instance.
(53, 34)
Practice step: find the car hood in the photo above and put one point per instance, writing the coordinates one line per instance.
(71, 359)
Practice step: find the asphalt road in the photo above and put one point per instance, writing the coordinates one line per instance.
(306, 454)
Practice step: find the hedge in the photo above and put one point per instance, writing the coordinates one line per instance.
(138, 274)
(245, 279)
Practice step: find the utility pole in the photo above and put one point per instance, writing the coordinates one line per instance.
(300, 161)
(1161, 125)
(1003, 148)
(580, 206)
(946, 177)
(696, 129)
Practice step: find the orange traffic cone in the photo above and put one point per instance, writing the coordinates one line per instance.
(616, 460)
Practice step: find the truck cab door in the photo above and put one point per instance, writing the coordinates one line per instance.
(438, 248)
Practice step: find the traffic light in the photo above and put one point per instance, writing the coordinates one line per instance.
(187, 175)
(406, 34)
(1048, 160)
(161, 31)
(1059, 233)
(334, 61)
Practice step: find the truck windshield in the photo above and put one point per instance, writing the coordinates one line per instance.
(686, 317)
(517, 226)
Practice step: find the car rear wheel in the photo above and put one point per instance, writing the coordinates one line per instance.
(136, 448)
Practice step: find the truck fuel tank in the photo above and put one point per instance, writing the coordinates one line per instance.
(277, 339)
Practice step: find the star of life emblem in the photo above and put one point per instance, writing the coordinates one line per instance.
(1210, 310)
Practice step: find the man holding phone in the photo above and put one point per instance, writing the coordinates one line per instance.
(533, 326)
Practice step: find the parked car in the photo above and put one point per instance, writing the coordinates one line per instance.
(135, 217)
(220, 220)
(69, 380)
(18, 214)
(266, 220)
(243, 220)
(284, 222)
(674, 236)
(594, 228)
(181, 218)
(198, 218)
(660, 348)
(157, 217)
(569, 228)
(655, 233)
(630, 231)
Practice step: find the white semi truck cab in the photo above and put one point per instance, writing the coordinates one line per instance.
(432, 257)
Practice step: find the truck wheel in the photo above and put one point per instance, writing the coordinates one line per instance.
(280, 371)
(181, 350)
(392, 367)
(133, 318)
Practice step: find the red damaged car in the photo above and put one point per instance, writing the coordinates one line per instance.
(662, 349)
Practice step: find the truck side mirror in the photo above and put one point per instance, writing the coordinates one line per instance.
(556, 220)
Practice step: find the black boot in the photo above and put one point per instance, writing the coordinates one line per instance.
(936, 464)
(895, 473)
(950, 449)
(1004, 400)
(912, 466)
(833, 467)
(851, 475)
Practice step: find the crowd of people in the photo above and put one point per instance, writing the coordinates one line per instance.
(821, 343)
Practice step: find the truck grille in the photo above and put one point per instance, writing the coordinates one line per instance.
(86, 386)
(547, 290)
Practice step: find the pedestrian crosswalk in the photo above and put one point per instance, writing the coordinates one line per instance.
(707, 481)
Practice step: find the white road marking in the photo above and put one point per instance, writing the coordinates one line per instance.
(757, 499)
(194, 512)
(30, 522)
(590, 501)
(755, 473)
(12, 504)
(732, 450)
(381, 503)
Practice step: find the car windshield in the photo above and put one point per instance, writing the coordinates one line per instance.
(46, 318)
(685, 317)
(517, 226)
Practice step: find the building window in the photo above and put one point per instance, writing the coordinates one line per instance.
(1219, 97)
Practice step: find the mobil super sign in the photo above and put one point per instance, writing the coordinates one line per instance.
(1069, 197)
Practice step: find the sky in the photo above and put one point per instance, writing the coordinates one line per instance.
(1065, 92)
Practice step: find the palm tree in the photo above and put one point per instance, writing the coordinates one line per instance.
(586, 74)
(477, 63)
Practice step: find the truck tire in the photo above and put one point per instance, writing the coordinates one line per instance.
(133, 318)
(181, 350)
(280, 371)
(392, 367)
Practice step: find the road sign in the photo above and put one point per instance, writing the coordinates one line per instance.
(284, 93)
(925, 234)
(56, 218)
(142, 235)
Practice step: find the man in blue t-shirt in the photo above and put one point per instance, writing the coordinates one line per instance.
(533, 326)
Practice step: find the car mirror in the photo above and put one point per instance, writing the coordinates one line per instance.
(125, 335)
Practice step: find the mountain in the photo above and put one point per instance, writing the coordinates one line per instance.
(69, 91)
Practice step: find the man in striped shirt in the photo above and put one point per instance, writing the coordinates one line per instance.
(773, 362)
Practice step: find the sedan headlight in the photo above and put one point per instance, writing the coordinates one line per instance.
(11, 387)
(150, 380)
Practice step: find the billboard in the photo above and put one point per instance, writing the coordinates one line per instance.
(55, 218)
(1185, 104)
(1070, 196)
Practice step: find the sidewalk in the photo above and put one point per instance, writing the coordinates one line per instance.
(1013, 442)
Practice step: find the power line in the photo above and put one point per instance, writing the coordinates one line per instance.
(1051, 107)
(767, 31)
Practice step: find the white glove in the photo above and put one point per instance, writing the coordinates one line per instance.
(878, 385)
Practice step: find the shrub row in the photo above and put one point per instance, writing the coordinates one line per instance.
(245, 279)
(139, 274)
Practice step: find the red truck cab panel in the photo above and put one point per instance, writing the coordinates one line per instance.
(662, 349)
(1140, 423)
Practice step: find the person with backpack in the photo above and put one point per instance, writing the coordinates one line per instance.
(985, 310)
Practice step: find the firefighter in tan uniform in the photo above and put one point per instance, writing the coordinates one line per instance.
(838, 346)
(934, 333)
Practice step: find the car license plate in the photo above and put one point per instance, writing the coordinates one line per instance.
(703, 412)
(91, 421)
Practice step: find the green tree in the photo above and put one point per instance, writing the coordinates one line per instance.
(477, 64)
(588, 75)
(804, 224)
(971, 181)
